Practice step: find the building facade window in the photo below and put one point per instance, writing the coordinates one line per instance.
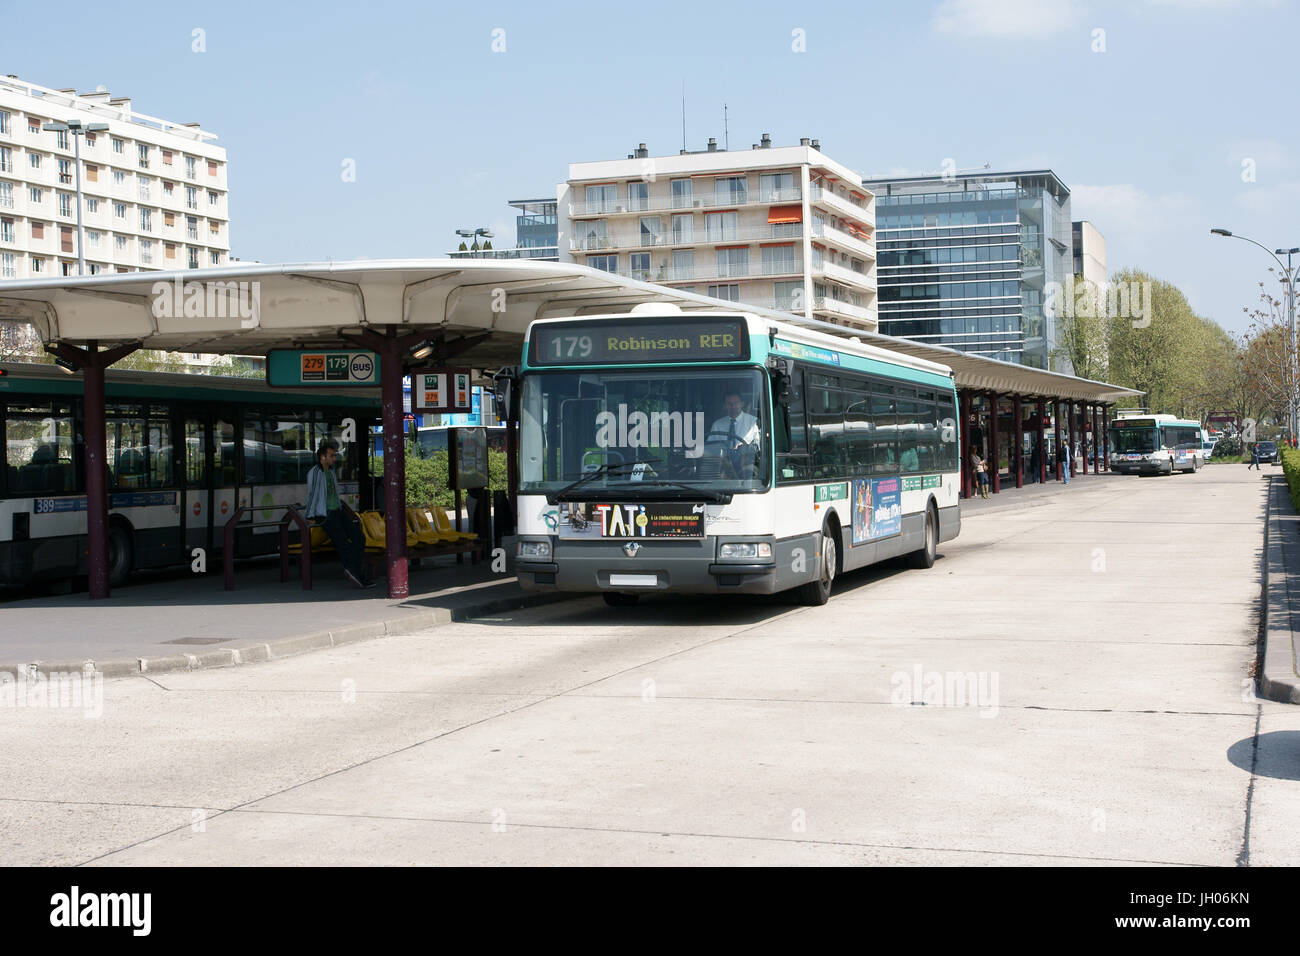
(729, 292)
(604, 263)
(638, 196)
(189, 167)
(8, 265)
(65, 204)
(733, 261)
(65, 172)
(730, 190)
(146, 220)
(681, 193)
(6, 195)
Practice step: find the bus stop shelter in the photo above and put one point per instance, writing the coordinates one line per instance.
(474, 312)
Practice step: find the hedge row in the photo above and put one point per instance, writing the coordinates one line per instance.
(1291, 468)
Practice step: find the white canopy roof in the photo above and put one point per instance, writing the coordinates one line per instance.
(249, 309)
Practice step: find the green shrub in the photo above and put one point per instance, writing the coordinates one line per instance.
(426, 478)
(1291, 468)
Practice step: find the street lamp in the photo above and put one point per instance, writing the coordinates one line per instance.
(77, 130)
(474, 234)
(1291, 275)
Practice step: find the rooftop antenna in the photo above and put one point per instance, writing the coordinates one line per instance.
(726, 133)
(683, 114)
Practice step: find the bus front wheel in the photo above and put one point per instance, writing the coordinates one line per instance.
(817, 592)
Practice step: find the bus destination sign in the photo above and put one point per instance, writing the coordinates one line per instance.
(304, 368)
(629, 342)
(1133, 423)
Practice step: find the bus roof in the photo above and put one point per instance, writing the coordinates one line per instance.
(50, 379)
(759, 325)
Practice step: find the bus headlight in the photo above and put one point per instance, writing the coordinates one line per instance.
(534, 549)
(745, 549)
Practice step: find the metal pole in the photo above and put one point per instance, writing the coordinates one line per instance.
(81, 253)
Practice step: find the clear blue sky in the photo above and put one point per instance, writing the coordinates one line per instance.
(1150, 134)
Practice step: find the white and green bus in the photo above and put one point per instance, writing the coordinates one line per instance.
(1155, 445)
(720, 453)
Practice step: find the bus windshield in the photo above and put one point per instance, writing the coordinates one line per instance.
(1133, 441)
(653, 432)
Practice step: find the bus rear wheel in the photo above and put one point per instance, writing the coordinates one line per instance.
(924, 558)
(120, 554)
(618, 599)
(817, 592)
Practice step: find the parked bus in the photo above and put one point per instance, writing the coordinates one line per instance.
(1155, 444)
(183, 451)
(723, 453)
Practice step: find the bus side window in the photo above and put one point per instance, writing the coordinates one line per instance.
(792, 460)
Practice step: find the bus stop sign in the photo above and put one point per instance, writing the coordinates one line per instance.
(308, 368)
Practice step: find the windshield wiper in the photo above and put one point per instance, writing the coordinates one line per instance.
(705, 494)
(605, 469)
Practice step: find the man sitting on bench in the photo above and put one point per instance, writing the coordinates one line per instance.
(323, 508)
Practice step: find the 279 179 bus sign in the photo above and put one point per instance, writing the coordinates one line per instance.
(289, 368)
(629, 342)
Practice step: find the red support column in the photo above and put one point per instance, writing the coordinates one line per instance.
(92, 363)
(394, 418)
(392, 349)
(994, 466)
(1018, 452)
(1042, 442)
(1060, 461)
(1085, 415)
(1105, 428)
(967, 479)
(96, 480)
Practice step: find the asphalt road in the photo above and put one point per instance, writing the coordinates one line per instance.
(1068, 685)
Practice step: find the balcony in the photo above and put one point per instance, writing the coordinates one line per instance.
(842, 274)
(667, 274)
(845, 240)
(860, 316)
(841, 205)
(706, 237)
(621, 207)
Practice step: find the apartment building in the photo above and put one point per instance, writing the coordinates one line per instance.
(781, 227)
(154, 193)
(1089, 252)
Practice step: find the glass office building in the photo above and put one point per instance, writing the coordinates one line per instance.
(536, 227)
(964, 261)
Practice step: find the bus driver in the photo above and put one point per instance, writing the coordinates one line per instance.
(738, 430)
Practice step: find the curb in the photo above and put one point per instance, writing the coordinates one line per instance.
(1278, 678)
(292, 645)
(1036, 501)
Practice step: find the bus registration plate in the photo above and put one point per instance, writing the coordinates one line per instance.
(632, 520)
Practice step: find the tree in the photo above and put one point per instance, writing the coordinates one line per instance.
(1085, 340)
(1271, 356)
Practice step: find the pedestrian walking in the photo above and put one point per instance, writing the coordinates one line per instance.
(1254, 457)
(324, 509)
(1065, 461)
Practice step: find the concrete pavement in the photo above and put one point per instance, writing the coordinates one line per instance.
(1070, 684)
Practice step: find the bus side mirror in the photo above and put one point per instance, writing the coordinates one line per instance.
(779, 370)
(505, 394)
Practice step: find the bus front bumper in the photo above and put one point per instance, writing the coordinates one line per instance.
(684, 566)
